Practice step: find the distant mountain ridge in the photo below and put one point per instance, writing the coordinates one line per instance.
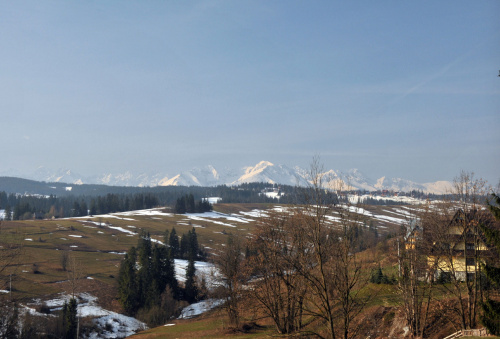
(264, 171)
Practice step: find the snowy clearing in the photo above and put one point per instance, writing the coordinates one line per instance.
(212, 221)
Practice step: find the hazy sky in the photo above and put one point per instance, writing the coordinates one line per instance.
(395, 88)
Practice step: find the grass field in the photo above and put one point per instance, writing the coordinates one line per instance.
(97, 244)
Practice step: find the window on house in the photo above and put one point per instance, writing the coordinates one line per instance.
(470, 261)
(469, 246)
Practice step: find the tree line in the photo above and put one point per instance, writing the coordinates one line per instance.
(186, 204)
(22, 207)
(18, 206)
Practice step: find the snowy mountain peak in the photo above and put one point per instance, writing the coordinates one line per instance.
(380, 183)
(214, 172)
(264, 171)
(261, 166)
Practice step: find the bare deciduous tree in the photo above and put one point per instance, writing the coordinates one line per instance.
(74, 274)
(416, 276)
(231, 277)
(277, 246)
(330, 269)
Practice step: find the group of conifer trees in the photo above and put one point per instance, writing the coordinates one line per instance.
(186, 204)
(186, 248)
(148, 287)
(19, 207)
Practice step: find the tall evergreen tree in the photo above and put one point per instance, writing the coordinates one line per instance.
(180, 205)
(190, 205)
(184, 248)
(173, 242)
(193, 244)
(166, 238)
(127, 283)
(69, 319)
(93, 207)
(83, 208)
(190, 288)
(144, 274)
(144, 247)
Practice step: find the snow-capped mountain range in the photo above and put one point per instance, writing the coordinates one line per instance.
(264, 171)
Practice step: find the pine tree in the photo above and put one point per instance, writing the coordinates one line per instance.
(190, 288)
(144, 248)
(93, 207)
(69, 319)
(75, 212)
(83, 208)
(166, 238)
(190, 206)
(173, 242)
(180, 206)
(491, 308)
(17, 212)
(192, 244)
(144, 274)
(184, 248)
(127, 283)
(377, 276)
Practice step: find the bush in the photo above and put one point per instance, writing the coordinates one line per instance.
(157, 315)
(153, 316)
(378, 277)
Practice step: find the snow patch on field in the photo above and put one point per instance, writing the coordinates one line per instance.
(121, 229)
(148, 212)
(203, 270)
(110, 324)
(217, 215)
(199, 308)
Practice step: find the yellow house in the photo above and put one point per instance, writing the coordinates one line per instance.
(459, 250)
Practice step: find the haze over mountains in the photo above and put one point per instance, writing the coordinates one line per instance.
(264, 171)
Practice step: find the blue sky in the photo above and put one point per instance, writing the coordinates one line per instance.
(401, 89)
